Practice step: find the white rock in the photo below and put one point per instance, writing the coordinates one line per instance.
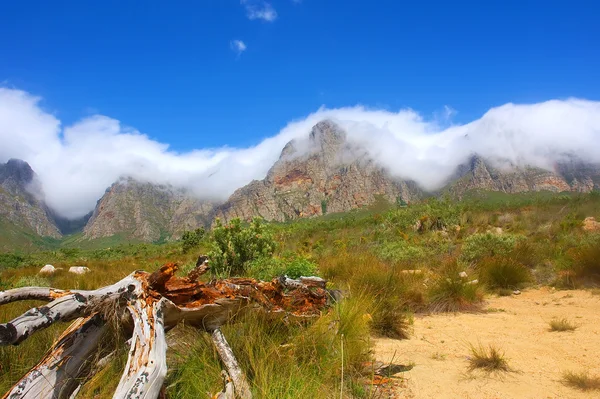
(462, 274)
(48, 269)
(472, 282)
(79, 270)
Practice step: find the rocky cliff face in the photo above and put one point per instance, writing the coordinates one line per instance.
(146, 212)
(19, 207)
(324, 175)
(477, 174)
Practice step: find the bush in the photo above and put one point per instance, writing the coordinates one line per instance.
(290, 265)
(234, 246)
(481, 245)
(191, 239)
(501, 272)
(450, 293)
(12, 261)
(586, 262)
(401, 251)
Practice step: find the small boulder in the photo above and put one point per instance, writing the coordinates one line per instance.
(48, 269)
(472, 282)
(590, 224)
(462, 275)
(79, 270)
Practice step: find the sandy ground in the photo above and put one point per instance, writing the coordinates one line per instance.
(439, 348)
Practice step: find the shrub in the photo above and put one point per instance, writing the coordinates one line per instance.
(583, 380)
(291, 265)
(401, 251)
(450, 293)
(191, 239)
(488, 359)
(561, 325)
(585, 262)
(12, 261)
(501, 272)
(481, 245)
(234, 246)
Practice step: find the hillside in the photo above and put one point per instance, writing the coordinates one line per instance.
(146, 212)
(24, 218)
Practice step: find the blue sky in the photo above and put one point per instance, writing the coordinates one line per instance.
(169, 69)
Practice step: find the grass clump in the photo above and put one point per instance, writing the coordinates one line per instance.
(562, 325)
(490, 359)
(390, 320)
(582, 380)
(503, 273)
(450, 293)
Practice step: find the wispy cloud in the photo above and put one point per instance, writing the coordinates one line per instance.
(259, 9)
(77, 162)
(237, 46)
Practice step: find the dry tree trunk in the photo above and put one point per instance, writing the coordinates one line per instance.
(155, 303)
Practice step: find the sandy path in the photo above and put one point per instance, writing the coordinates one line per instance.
(518, 325)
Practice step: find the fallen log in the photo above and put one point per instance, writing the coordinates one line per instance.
(150, 305)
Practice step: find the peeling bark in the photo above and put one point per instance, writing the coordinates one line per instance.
(156, 303)
(57, 374)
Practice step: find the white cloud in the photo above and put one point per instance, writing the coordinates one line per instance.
(237, 46)
(258, 9)
(76, 163)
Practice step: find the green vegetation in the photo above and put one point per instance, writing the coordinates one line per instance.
(490, 359)
(451, 293)
(191, 239)
(234, 246)
(582, 380)
(390, 262)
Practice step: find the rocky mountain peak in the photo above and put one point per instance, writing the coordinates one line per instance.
(18, 171)
(327, 134)
(17, 203)
(328, 176)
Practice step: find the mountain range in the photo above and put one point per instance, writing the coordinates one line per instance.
(326, 173)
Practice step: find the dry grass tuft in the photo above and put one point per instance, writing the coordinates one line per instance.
(562, 325)
(490, 359)
(582, 380)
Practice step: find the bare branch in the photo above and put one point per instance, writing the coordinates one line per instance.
(240, 384)
(57, 375)
(64, 308)
(28, 293)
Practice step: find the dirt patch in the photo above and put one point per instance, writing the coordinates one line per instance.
(439, 348)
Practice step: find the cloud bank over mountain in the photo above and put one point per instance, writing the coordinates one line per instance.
(76, 163)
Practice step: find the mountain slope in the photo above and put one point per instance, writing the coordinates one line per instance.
(329, 175)
(146, 212)
(479, 174)
(20, 209)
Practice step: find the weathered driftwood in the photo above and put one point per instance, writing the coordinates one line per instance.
(154, 304)
(238, 378)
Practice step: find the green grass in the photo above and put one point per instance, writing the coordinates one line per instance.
(562, 325)
(581, 380)
(490, 359)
